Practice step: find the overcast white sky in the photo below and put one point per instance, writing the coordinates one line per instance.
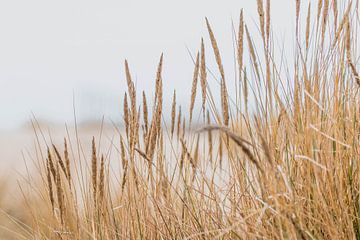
(52, 49)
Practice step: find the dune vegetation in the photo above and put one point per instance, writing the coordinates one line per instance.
(279, 159)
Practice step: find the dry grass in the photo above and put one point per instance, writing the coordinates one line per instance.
(281, 163)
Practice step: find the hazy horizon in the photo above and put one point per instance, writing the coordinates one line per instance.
(54, 52)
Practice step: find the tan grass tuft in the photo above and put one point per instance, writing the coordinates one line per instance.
(60, 196)
(145, 113)
(179, 122)
(298, 4)
(335, 12)
(156, 122)
(224, 97)
(324, 20)
(216, 50)
(94, 168)
(260, 9)
(188, 154)
(210, 141)
(246, 91)
(61, 162)
(173, 114)
(194, 86)
(126, 116)
(225, 103)
(124, 163)
(252, 53)
(307, 31)
(67, 162)
(240, 52)
(48, 177)
(102, 178)
(268, 21)
(348, 53)
(51, 164)
(242, 143)
(203, 75)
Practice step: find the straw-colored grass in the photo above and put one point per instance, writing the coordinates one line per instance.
(280, 162)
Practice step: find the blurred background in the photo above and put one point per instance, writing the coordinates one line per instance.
(58, 58)
(55, 55)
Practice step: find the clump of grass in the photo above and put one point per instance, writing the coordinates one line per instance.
(282, 163)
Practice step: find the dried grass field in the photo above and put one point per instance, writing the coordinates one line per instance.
(279, 159)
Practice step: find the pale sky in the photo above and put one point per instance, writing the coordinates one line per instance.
(52, 49)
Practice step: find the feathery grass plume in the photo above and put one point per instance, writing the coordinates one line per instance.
(183, 127)
(355, 73)
(240, 52)
(158, 83)
(160, 154)
(296, 98)
(196, 157)
(224, 103)
(156, 121)
(269, 87)
(210, 142)
(60, 196)
(94, 168)
(335, 12)
(51, 164)
(145, 112)
(60, 160)
(224, 96)
(179, 122)
(67, 162)
(134, 115)
(159, 90)
(307, 31)
(173, 113)
(187, 153)
(342, 24)
(203, 75)
(260, 9)
(143, 155)
(252, 53)
(165, 188)
(268, 23)
(137, 128)
(124, 163)
(324, 20)
(267, 57)
(182, 156)
(246, 92)
(220, 151)
(126, 116)
(348, 52)
(215, 49)
(242, 143)
(265, 145)
(131, 89)
(298, 4)
(102, 178)
(348, 40)
(48, 177)
(193, 87)
(133, 137)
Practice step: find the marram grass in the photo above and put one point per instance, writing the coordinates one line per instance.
(280, 160)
